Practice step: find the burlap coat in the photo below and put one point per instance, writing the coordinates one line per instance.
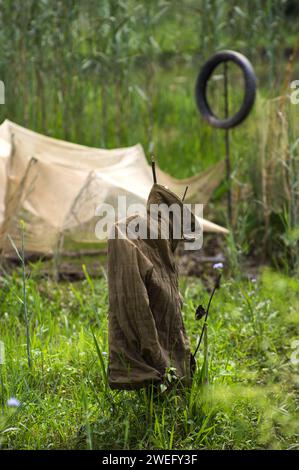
(146, 329)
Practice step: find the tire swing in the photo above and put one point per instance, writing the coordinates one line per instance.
(229, 121)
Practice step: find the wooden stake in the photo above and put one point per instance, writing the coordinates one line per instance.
(154, 169)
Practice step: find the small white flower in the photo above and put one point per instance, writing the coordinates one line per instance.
(104, 353)
(253, 279)
(13, 402)
(218, 266)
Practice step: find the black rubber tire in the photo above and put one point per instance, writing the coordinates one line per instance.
(201, 89)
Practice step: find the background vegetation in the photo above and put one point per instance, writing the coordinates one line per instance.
(112, 73)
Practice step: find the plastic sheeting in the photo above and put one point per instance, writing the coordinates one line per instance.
(56, 187)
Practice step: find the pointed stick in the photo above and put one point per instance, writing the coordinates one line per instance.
(154, 169)
(183, 198)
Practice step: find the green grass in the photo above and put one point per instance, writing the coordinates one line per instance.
(250, 401)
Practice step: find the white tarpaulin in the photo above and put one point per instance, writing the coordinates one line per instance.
(55, 187)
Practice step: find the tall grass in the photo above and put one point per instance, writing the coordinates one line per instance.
(23, 299)
(266, 186)
(93, 72)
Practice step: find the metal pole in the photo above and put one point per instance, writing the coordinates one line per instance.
(227, 149)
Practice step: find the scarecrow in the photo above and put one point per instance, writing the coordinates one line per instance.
(147, 337)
